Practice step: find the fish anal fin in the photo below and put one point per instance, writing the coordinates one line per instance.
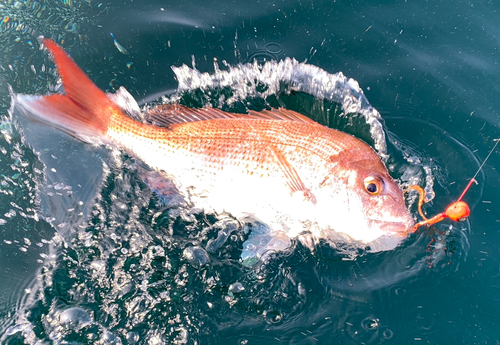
(162, 184)
(293, 179)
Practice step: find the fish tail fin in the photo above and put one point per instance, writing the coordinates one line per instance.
(84, 110)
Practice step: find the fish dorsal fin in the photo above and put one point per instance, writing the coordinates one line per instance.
(171, 114)
(279, 114)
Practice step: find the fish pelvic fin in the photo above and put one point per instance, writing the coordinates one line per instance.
(83, 111)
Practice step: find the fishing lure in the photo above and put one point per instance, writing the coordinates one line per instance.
(458, 211)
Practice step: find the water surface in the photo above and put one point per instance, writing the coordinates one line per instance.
(110, 264)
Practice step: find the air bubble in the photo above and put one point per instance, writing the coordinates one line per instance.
(111, 339)
(22, 327)
(273, 316)
(75, 318)
(196, 256)
(132, 337)
(387, 334)
(236, 287)
(370, 323)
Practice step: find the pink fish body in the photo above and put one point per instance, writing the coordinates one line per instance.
(277, 166)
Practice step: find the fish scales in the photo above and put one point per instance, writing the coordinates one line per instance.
(216, 144)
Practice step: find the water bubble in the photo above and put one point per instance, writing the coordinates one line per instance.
(111, 339)
(387, 334)
(98, 265)
(196, 256)
(182, 336)
(21, 327)
(157, 251)
(10, 214)
(214, 244)
(274, 48)
(59, 186)
(132, 337)
(236, 287)
(75, 318)
(273, 316)
(399, 291)
(370, 323)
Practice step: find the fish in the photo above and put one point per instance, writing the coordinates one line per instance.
(275, 167)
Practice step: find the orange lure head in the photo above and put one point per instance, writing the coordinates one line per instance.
(458, 211)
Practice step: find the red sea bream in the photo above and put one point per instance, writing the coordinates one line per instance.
(275, 166)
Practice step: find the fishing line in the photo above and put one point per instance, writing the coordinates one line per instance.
(488, 156)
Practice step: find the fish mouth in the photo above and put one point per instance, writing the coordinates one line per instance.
(391, 233)
(397, 228)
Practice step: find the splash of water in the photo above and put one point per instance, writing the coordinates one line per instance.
(288, 75)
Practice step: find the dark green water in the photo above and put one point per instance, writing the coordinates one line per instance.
(119, 274)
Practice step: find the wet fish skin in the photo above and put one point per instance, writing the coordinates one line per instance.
(276, 166)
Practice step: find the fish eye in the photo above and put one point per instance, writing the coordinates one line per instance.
(373, 185)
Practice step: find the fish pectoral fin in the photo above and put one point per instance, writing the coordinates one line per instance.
(293, 179)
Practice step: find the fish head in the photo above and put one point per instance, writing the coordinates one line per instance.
(369, 205)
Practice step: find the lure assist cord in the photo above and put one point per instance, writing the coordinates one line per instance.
(457, 211)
